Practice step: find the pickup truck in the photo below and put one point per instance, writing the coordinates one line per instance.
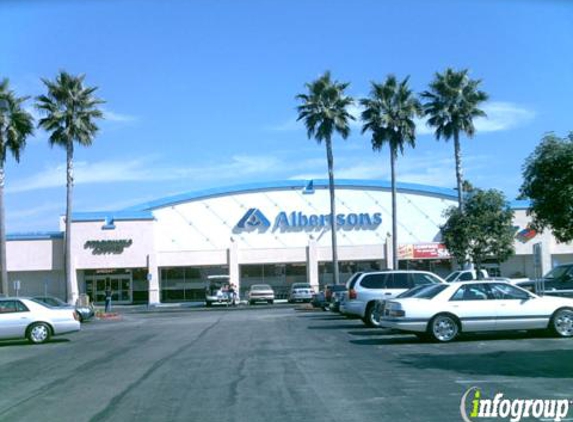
(465, 275)
(557, 282)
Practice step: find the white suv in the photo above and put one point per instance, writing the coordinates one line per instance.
(368, 288)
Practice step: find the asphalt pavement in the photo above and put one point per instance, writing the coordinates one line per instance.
(268, 363)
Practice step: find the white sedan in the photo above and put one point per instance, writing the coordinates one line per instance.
(26, 318)
(441, 312)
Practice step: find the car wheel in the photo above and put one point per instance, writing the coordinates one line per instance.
(208, 304)
(251, 302)
(443, 328)
(38, 333)
(562, 323)
(270, 302)
(369, 319)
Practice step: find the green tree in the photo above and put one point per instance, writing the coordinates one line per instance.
(548, 183)
(16, 125)
(70, 109)
(389, 115)
(451, 105)
(484, 229)
(324, 110)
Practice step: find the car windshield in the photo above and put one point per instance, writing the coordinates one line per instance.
(452, 276)
(557, 272)
(52, 301)
(261, 287)
(412, 291)
(44, 304)
(301, 286)
(426, 292)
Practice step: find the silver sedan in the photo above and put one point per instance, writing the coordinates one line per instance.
(26, 318)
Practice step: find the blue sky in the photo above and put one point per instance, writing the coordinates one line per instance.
(200, 94)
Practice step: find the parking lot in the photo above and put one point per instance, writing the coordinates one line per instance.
(274, 363)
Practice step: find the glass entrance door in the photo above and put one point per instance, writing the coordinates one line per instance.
(121, 288)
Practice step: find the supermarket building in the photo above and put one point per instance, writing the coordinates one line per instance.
(275, 233)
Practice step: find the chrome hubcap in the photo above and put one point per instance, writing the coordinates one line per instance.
(373, 318)
(564, 323)
(39, 333)
(445, 328)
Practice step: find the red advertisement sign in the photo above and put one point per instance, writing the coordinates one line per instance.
(423, 251)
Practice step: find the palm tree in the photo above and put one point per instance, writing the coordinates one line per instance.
(15, 126)
(70, 109)
(452, 104)
(389, 114)
(324, 111)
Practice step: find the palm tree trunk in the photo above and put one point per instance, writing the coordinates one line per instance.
(394, 209)
(459, 177)
(330, 160)
(68, 237)
(3, 260)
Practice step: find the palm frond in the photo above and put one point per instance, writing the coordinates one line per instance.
(69, 109)
(16, 124)
(389, 114)
(324, 109)
(452, 102)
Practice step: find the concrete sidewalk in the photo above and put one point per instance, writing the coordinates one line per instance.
(189, 306)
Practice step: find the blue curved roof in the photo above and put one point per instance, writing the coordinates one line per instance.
(144, 211)
(294, 185)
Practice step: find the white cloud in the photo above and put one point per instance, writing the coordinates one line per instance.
(434, 169)
(117, 117)
(503, 116)
(145, 169)
(287, 126)
(27, 213)
(500, 116)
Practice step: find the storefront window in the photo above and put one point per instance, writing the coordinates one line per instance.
(186, 284)
(140, 285)
(346, 269)
(279, 276)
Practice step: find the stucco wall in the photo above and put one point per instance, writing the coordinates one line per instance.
(34, 283)
(35, 255)
(140, 233)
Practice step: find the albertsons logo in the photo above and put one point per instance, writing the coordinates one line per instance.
(513, 410)
(252, 220)
(294, 221)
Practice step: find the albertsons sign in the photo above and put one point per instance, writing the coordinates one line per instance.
(254, 219)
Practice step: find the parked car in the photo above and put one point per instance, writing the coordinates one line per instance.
(319, 301)
(365, 290)
(217, 290)
(300, 292)
(442, 312)
(465, 275)
(333, 294)
(341, 296)
(85, 312)
(34, 320)
(261, 293)
(557, 282)
(380, 304)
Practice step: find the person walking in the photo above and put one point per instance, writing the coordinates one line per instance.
(108, 299)
(232, 296)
